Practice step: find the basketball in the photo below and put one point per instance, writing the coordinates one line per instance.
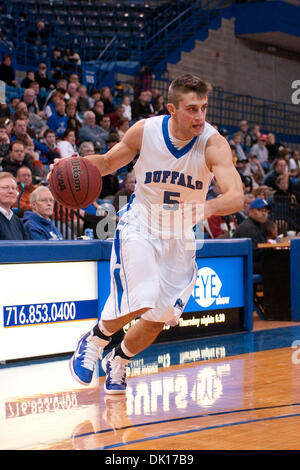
(75, 182)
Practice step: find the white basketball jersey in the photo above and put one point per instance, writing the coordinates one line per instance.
(165, 176)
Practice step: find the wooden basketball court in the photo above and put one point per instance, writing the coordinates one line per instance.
(237, 391)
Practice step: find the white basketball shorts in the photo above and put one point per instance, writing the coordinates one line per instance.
(149, 273)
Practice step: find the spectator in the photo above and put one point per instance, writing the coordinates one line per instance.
(160, 106)
(140, 108)
(29, 98)
(237, 141)
(41, 77)
(218, 226)
(72, 56)
(7, 72)
(86, 148)
(16, 158)
(123, 196)
(29, 78)
(272, 147)
(83, 103)
(11, 227)
(123, 127)
(294, 163)
(49, 139)
(4, 143)
(107, 98)
(74, 121)
(255, 133)
(246, 136)
(24, 177)
(279, 168)
(256, 169)
(244, 169)
(38, 223)
(127, 107)
(98, 109)
(67, 144)
(244, 213)
(116, 116)
(253, 227)
(271, 230)
(91, 132)
(261, 151)
(58, 121)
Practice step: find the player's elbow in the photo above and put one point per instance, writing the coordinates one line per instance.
(238, 201)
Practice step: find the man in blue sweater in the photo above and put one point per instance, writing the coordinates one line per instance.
(38, 223)
(11, 227)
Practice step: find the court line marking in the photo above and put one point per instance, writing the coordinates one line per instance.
(190, 431)
(183, 418)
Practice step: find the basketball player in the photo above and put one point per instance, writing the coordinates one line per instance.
(153, 269)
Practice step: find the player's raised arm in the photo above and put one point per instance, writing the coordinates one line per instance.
(122, 153)
(219, 161)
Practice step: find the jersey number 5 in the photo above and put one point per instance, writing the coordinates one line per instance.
(171, 200)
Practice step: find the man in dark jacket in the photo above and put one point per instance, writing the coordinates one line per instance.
(11, 227)
(38, 223)
(253, 227)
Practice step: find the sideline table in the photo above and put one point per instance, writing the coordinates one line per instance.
(281, 280)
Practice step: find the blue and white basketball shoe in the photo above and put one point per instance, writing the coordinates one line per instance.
(83, 362)
(115, 369)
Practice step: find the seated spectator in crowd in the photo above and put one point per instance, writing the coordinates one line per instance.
(72, 56)
(41, 77)
(116, 116)
(49, 139)
(38, 223)
(123, 196)
(58, 121)
(83, 103)
(4, 143)
(271, 230)
(11, 227)
(107, 98)
(159, 106)
(253, 227)
(123, 127)
(244, 213)
(98, 109)
(218, 226)
(257, 170)
(285, 190)
(237, 141)
(261, 151)
(29, 98)
(294, 163)
(52, 99)
(126, 103)
(91, 132)
(74, 120)
(246, 136)
(244, 169)
(86, 148)
(29, 78)
(279, 167)
(272, 146)
(255, 133)
(7, 72)
(140, 108)
(24, 178)
(67, 144)
(16, 158)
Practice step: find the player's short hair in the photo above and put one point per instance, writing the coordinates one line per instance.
(185, 84)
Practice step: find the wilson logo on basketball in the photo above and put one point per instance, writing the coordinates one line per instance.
(60, 179)
(76, 171)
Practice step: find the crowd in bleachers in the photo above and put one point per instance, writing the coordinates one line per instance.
(49, 115)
